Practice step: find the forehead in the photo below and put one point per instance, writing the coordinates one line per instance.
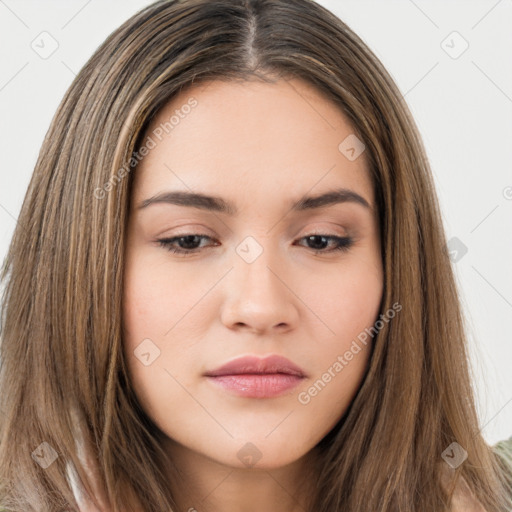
(253, 137)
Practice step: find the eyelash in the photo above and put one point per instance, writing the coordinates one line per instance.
(342, 243)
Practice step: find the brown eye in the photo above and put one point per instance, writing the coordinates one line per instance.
(187, 244)
(190, 243)
(319, 242)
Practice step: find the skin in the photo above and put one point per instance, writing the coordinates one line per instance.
(463, 499)
(260, 146)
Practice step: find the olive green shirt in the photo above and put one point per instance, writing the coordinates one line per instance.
(504, 450)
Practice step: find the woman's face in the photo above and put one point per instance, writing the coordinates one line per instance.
(262, 277)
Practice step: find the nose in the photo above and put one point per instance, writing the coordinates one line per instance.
(259, 297)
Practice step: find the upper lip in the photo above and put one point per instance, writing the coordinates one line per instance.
(257, 365)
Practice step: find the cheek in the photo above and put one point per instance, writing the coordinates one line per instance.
(145, 310)
(347, 301)
(147, 316)
(155, 297)
(356, 303)
(349, 307)
(157, 306)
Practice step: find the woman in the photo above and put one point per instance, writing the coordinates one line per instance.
(228, 287)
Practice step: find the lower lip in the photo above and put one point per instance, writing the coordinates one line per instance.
(258, 386)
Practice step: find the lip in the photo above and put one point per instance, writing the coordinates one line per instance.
(255, 377)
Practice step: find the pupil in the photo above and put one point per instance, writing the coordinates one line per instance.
(315, 238)
(188, 240)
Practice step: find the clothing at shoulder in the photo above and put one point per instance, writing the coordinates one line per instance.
(504, 450)
(463, 499)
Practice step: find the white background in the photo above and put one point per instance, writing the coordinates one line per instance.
(463, 108)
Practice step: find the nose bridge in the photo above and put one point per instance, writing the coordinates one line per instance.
(255, 265)
(257, 296)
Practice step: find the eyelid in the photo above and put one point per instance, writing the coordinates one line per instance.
(187, 228)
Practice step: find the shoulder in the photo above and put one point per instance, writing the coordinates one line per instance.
(463, 499)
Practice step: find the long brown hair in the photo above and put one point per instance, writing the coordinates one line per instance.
(63, 380)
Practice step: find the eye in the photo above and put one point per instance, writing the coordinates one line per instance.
(188, 244)
(189, 241)
(340, 243)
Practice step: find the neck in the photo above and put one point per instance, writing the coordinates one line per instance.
(205, 485)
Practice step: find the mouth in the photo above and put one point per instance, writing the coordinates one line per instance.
(254, 377)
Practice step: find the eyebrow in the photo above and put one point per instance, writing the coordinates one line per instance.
(220, 205)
